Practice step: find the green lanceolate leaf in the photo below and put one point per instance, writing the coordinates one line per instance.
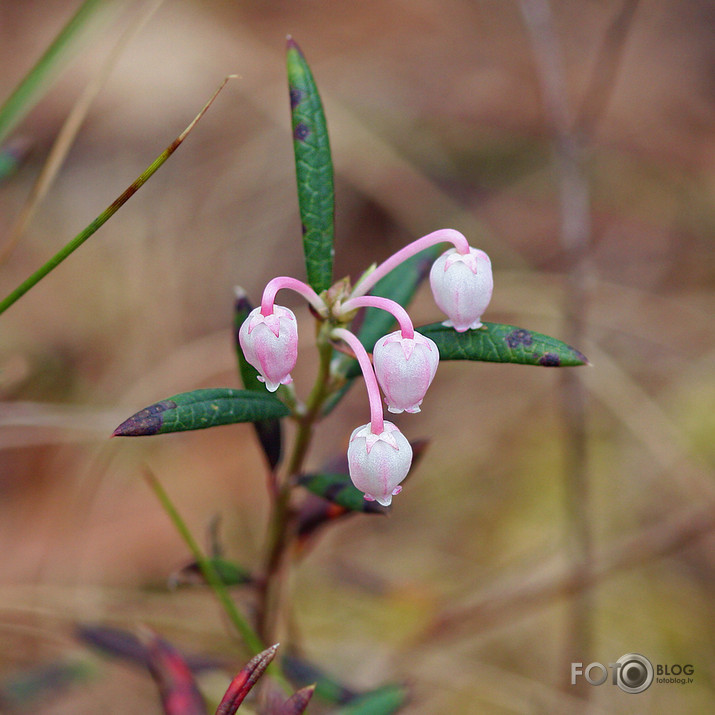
(269, 432)
(338, 489)
(314, 170)
(230, 573)
(200, 409)
(503, 343)
(383, 701)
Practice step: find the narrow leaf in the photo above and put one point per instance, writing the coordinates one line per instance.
(314, 170)
(179, 693)
(303, 673)
(503, 343)
(36, 688)
(230, 573)
(298, 702)
(383, 701)
(269, 432)
(200, 409)
(12, 155)
(245, 680)
(339, 490)
(124, 644)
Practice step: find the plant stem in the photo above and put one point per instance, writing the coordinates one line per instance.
(249, 636)
(282, 522)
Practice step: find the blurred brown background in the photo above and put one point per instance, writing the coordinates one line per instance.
(437, 119)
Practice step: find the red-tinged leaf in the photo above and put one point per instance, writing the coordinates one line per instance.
(245, 680)
(179, 693)
(124, 644)
(315, 513)
(298, 702)
(338, 489)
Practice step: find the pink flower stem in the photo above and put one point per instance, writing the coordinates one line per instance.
(373, 391)
(444, 235)
(374, 301)
(276, 284)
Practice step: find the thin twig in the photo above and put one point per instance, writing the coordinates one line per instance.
(574, 205)
(550, 582)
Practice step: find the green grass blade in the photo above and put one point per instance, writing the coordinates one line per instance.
(384, 701)
(29, 90)
(250, 637)
(201, 409)
(314, 170)
(83, 235)
(503, 343)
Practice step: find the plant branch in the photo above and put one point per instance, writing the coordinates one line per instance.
(281, 527)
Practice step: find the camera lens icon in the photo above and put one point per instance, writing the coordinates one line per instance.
(635, 674)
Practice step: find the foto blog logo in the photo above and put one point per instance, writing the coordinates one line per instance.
(632, 673)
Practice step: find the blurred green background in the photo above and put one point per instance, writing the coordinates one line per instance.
(437, 119)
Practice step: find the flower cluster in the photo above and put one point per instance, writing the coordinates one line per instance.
(404, 362)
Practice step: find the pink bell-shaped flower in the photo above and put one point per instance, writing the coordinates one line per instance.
(462, 286)
(270, 344)
(405, 368)
(379, 462)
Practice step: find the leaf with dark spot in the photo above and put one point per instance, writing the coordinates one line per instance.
(314, 170)
(243, 682)
(503, 343)
(200, 409)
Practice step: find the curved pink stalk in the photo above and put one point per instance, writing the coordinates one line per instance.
(276, 284)
(374, 301)
(443, 235)
(373, 391)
